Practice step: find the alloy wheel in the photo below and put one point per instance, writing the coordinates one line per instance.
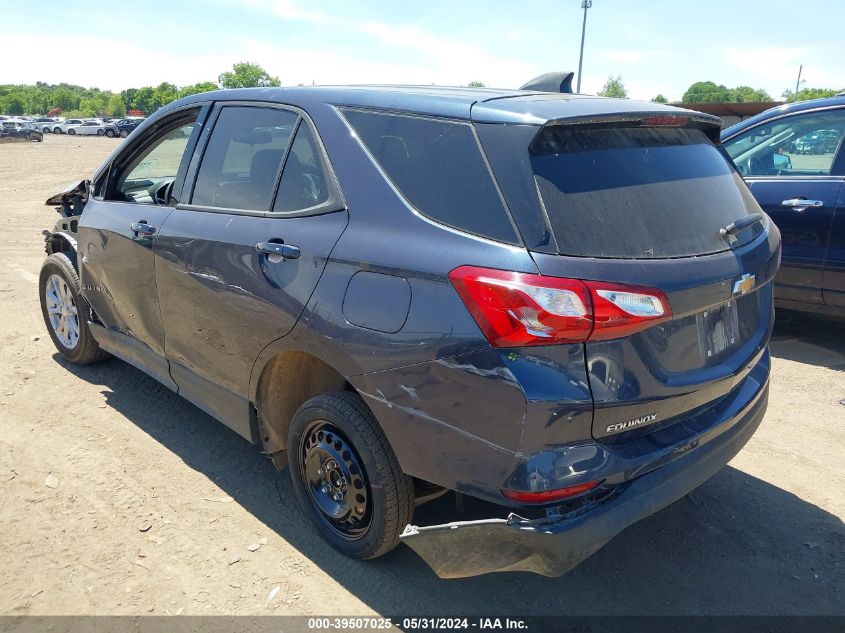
(61, 309)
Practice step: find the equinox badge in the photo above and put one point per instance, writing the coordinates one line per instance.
(744, 284)
(621, 426)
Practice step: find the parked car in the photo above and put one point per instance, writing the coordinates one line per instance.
(65, 126)
(20, 129)
(804, 197)
(126, 126)
(45, 124)
(93, 127)
(557, 305)
(818, 142)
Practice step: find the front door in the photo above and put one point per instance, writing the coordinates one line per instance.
(237, 265)
(116, 235)
(788, 164)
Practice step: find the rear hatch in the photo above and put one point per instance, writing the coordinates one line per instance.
(642, 202)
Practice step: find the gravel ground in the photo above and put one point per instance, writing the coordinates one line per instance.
(118, 497)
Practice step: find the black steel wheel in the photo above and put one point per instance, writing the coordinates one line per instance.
(335, 481)
(346, 477)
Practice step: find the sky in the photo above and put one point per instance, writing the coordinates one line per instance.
(656, 46)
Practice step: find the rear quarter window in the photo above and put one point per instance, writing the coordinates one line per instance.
(438, 167)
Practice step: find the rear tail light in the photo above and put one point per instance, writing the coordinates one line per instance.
(548, 496)
(520, 309)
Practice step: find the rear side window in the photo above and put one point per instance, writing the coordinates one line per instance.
(303, 183)
(438, 167)
(637, 192)
(243, 158)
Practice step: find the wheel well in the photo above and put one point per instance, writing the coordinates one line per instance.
(58, 243)
(286, 382)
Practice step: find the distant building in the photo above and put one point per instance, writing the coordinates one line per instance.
(730, 113)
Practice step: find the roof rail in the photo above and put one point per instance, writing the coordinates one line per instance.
(551, 82)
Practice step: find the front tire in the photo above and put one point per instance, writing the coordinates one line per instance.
(124, 133)
(72, 132)
(346, 477)
(100, 132)
(66, 313)
(110, 133)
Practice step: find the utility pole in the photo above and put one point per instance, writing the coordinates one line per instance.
(798, 81)
(585, 4)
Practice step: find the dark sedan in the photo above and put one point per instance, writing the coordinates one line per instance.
(792, 159)
(20, 129)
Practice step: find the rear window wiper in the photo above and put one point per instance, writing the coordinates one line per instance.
(742, 223)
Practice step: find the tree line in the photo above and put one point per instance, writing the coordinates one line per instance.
(710, 92)
(77, 101)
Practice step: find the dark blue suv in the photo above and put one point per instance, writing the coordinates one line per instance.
(793, 160)
(556, 304)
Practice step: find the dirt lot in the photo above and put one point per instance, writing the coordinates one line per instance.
(119, 497)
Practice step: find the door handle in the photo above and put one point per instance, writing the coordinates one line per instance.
(801, 202)
(277, 252)
(142, 228)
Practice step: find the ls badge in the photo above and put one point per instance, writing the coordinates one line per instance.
(744, 284)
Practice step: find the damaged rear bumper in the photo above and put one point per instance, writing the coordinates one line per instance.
(553, 546)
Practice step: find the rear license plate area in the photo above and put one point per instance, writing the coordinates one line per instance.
(718, 332)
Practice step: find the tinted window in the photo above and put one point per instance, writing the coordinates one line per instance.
(637, 192)
(438, 167)
(154, 167)
(303, 183)
(243, 158)
(800, 145)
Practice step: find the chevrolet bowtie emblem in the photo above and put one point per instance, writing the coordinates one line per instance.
(744, 284)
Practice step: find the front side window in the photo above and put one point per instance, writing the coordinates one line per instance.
(438, 167)
(241, 163)
(147, 177)
(803, 144)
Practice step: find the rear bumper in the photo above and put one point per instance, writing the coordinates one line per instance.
(553, 546)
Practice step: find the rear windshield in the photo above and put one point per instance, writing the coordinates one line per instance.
(637, 192)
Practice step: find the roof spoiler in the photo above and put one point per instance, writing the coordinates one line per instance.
(551, 82)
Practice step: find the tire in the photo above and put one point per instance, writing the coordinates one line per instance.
(57, 130)
(371, 521)
(72, 132)
(110, 133)
(100, 132)
(81, 349)
(124, 133)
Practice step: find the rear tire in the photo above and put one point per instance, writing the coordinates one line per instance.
(72, 132)
(57, 130)
(100, 132)
(66, 313)
(124, 133)
(110, 133)
(346, 477)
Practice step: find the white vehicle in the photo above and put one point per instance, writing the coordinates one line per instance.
(65, 126)
(92, 127)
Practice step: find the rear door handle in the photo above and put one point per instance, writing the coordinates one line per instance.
(277, 252)
(801, 202)
(142, 228)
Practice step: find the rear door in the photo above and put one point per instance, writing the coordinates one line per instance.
(833, 277)
(791, 174)
(237, 263)
(639, 207)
